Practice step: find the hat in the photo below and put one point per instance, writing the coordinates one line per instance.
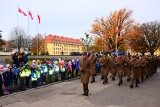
(72, 60)
(33, 61)
(8, 65)
(53, 59)
(26, 65)
(85, 56)
(1, 67)
(55, 62)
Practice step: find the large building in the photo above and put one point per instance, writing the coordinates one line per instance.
(58, 45)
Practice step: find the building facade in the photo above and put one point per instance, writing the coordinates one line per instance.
(59, 45)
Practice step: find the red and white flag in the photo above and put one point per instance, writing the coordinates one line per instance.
(30, 14)
(21, 11)
(39, 20)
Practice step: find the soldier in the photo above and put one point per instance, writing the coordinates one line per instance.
(93, 66)
(120, 61)
(112, 67)
(85, 73)
(135, 71)
(143, 64)
(104, 62)
(128, 68)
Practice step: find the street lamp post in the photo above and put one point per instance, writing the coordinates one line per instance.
(0, 34)
(45, 46)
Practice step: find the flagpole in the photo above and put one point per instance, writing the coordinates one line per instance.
(17, 27)
(37, 36)
(28, 33)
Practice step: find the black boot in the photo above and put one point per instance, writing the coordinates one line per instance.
(104, 82)
(87, 94)
(84, 94)
(113, 78)
(128, 79)
(119, 83)
(142, 79)
(131, 86)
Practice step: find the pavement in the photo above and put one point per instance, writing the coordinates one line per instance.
(68, 94)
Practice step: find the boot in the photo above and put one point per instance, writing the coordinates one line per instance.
(119, 83)
(137, 83)
(113, 78)
(142, 79)
(104, 83)
(131, 86)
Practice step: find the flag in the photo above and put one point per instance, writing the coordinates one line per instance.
(30, 15)
(24, 13)
(21, 11)
(39, 20)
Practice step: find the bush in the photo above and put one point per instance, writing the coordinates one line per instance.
(8, 61)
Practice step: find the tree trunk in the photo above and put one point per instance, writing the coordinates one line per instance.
(152, 53)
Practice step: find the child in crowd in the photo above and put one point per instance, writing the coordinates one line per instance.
(1, 79)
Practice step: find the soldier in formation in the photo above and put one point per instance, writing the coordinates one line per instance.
(136, 68)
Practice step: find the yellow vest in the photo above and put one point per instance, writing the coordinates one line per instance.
(50, 71)
(38, 74)
(56, 68)
(23, 74)
(34, 78)
(62, 69)
(27, 72)
(45, 69)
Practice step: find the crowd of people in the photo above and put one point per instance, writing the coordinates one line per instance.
(20, 75)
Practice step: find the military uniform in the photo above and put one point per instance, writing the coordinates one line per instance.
(112, 68)
(143, 64)
(93, 67)
(120, 61)
(135, 71)
(128, 69)
(104, 62)
(85, 74)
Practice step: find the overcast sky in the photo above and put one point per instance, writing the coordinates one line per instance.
(70, 18)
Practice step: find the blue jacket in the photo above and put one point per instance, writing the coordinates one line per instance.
(77, 65)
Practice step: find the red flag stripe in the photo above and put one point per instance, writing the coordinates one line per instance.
(24, 13)
(39, 20)
(30, 15)
(19, 10)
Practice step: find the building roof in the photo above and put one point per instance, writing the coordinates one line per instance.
(6, 44)
(51, 38)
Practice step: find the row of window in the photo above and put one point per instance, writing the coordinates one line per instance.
(66, 49)
(66, 45)
(61, 52)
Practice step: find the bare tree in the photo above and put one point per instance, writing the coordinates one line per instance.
(151, 32)
(41, 44)
(87, 41)
(18, 38)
